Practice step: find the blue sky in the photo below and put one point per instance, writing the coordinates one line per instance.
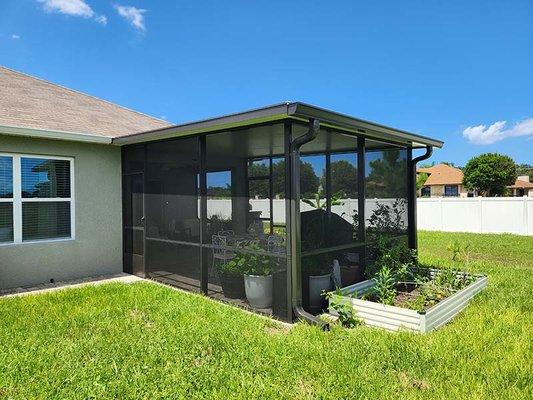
(432, 67)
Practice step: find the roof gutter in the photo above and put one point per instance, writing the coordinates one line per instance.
(295, 231)
(370, 129)
(54, 135)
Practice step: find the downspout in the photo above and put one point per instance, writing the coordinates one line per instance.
(295, 231)
(413, 240)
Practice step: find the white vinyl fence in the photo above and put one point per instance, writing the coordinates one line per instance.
(346, 209)
(479, 214)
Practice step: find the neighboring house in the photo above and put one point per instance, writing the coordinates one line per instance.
(90, 188)
(522, 187)
(443, 181)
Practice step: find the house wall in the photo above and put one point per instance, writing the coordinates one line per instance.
(97, 247)
(438, 191)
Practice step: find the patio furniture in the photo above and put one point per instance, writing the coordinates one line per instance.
(275, 244)
(219, 251)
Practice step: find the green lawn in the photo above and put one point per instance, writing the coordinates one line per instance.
(148, 341)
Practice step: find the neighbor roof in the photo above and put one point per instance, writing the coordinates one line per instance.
(442, 174)
(29, 102)
(297, 111)
(520, 184)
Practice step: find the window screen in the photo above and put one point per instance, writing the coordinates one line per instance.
(6, 222)
(6, 199)
(45, 220)
(6, 177)
(45, 178)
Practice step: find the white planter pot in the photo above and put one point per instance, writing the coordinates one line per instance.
(258, 290)
(317, 284)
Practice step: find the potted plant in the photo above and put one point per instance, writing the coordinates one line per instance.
(231, 277)
(258, 278)
(318, 269)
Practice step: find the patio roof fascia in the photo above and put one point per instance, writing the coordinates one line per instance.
(290, 110)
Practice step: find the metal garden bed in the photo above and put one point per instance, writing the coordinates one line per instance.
(395, 318)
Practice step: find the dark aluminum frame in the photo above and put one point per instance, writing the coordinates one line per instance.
(289, 114)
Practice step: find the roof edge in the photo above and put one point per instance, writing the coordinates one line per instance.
(292, 110)
(54, 135)
(346, 121)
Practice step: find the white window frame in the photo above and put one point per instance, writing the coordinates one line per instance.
(17, 199)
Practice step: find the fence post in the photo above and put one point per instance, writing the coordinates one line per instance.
(526, 219)
(441, 214)
(480, 202)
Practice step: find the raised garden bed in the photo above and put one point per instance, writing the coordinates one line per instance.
(399, 316)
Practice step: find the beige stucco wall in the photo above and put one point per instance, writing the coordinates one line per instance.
(438, 191)
(97, 248)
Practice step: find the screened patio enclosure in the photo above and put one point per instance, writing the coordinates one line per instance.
(292, 194)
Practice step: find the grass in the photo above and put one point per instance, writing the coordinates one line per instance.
(147, 341)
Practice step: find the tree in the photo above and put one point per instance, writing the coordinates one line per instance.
(489, 173)
(343, 179)
(525, 169)
(388, 176)
(421, 178)
(309, 182)
(449, 163)
(259, 187)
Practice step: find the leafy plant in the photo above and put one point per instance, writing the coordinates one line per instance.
(340, 302)
(460, 252)
(387, 218)
(383, 288)
(234, 267)
(248, 263)
(318, 203)
(394, 254)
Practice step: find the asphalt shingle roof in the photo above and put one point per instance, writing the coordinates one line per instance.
(442, 174)
(29, 102)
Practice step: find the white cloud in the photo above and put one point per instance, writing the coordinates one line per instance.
(133, 15)
(494, 133)
(15, 36)
(76, 8)
(101, 19)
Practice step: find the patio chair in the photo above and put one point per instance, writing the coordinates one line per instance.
(220, 253)
(275, 244)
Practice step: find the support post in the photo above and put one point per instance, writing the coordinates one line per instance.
(361, 198)
(287, 134)
(411, 200)
(203, 216)
(328, 184)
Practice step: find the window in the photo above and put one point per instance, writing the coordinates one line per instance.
(6, 199)
(425, 191)
(35, 198)
(451, 190)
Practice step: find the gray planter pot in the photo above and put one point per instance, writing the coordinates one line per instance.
(317, 284)
(258, 290)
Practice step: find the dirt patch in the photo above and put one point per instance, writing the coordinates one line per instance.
(304, 389)
(204, 356)
(273, 328)
(141, 317)
(406, 294)
(408, 382)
